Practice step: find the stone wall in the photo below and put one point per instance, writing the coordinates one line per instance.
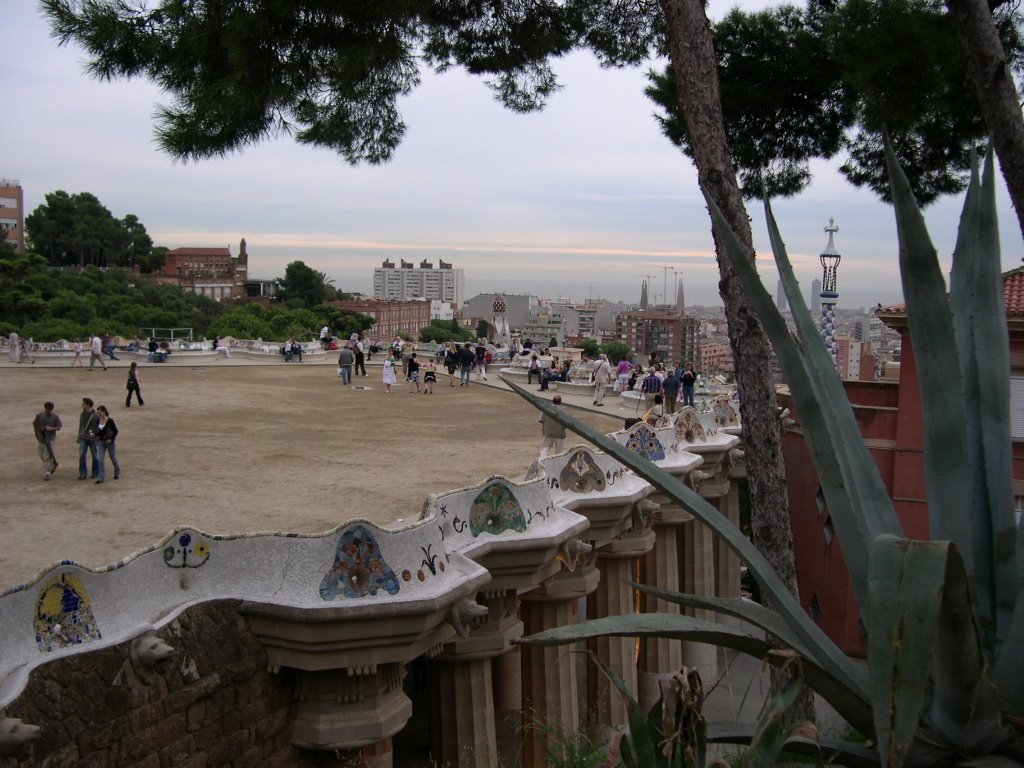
(211, 703)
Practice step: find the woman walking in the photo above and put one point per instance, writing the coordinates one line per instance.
(133, 386)
(389, 374)
(106, 434)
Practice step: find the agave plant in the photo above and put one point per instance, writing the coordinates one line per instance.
(944, 617)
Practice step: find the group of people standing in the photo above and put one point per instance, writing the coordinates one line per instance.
(465, 359)
(352, 359)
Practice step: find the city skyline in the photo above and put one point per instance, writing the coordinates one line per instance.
(581, 200)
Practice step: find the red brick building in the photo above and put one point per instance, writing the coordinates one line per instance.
(667, 332)
(212, 272)
(393, 317)
(889, 417)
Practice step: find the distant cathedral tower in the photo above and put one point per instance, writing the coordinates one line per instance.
(829, 292)
(681, 300)
(643, 295)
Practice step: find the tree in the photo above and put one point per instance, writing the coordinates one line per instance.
(445, 330)
(303, 286)
(798, 85)
(616, 351)
(77, 230)
(589, 346)
(482, 329)
(990, 73)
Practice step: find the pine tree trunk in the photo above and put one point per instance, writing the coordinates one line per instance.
(995, 91)
(693, 59)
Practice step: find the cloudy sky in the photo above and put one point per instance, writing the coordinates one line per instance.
(581, 200)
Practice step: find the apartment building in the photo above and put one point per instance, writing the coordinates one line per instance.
(408, 281)
(12, 212)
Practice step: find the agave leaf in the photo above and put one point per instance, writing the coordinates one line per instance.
(938, 369)
(1010, 661)
(964, 707)
(979, 315)
(750, 612)
(846, 702)
(857, 498)
(906, 580)
(834, 751)
(825, 653)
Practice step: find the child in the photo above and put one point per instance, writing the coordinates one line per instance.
(413, 372)
(389, 374)
(429, 378)
(133, 386)
(77, 362)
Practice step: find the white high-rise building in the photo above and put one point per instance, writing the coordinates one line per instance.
(424, 282)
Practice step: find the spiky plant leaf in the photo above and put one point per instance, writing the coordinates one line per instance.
(938, 368)
(900, 616)
(772, 730)
(834, 751)
(825, 653)
(750, 612)
(847, 702)
(979, 317)
(642, 739)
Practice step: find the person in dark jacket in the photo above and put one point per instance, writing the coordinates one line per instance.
(106, 434)
(133, 386)
(466, 360)
(689, 381)
(670, 391)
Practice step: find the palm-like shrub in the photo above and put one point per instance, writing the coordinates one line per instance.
(944, 617)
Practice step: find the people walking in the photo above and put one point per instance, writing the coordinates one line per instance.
(412, 372)
(389, 374)
(26, 351)
(429, 377)
(480, 361)
(553, 433)
(106, 435)
(95, 352)
(346, 359)
(77, 347)
(602, 375)
(46, 426)
(451, 360)
(87, 423)
(133, 386)
(466, 359)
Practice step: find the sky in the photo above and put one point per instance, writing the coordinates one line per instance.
(582, 200)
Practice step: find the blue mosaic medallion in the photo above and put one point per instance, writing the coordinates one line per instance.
(186, 553)
(646, 443)
(581, 474)
(63, 616)
(359, 568)
(494, 510)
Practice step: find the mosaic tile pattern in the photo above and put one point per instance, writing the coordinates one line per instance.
(725, 413)
(689, 428)
(494, 510)
(186, 553)
(646, 443)
(63, 616)
(581, 474)
(359, 568)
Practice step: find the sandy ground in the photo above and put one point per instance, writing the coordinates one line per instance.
(242, 448)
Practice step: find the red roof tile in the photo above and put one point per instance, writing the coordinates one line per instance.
(1013, 292)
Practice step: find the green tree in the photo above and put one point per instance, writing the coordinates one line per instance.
(616, 351)
(77, 230)
(445, 330)
(589, 346)
(804, 84)
(483, 329)
(304, 287)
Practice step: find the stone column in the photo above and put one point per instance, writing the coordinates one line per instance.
(463, 720)
(697, 577)
(355, 709)
(614, 596)
(727, 562)
(550, 682)
(660, 658)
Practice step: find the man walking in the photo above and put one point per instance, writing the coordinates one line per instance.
(87, 424)
(95, 352)
(602, 375)
(466, 359)
(346, 359)
(553, 432)
(46, 425)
